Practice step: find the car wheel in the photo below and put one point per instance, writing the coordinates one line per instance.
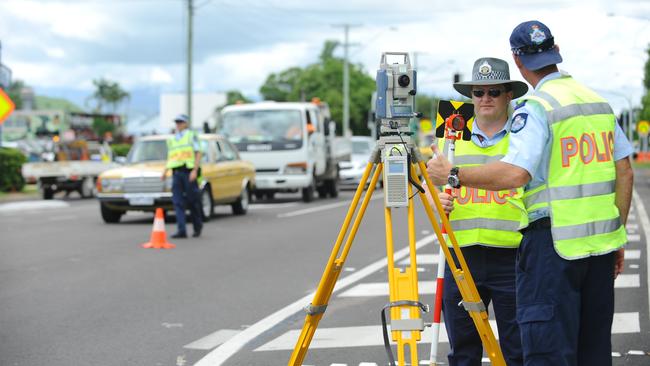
(48, 193)
(87, 189)
(110, 216)
(240, 207)
(322, 191)
(309, 191)
(332, 187)
(207, 205)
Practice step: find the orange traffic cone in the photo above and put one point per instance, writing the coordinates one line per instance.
(158, 236)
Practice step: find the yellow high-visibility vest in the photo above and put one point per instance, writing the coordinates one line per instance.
(181, 152)
(580, 191)
(482, 217)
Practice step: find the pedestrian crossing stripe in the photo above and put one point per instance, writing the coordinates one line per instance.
(371, 335)
(370, 289)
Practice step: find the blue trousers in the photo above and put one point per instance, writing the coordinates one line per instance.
(184, 194)
(493, 270)
(564, 307)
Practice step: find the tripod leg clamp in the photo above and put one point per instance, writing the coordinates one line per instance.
(313, 310)
(473, 306)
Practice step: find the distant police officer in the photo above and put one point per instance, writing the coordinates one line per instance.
(572, 157)
(485, 223)
(183, 158)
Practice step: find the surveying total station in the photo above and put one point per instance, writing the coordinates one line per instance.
(397, 157)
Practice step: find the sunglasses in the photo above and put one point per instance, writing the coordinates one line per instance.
(494, 93)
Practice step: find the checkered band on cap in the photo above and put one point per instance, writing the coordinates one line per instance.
(492, 75)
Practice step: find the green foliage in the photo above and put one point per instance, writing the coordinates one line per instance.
(43, 102)
(324, 79)
(234, 96)
(108, 93)
(101, 126)
(120, 149)
(11, 162)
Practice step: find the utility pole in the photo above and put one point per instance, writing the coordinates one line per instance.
(346, 77)
(188, 91)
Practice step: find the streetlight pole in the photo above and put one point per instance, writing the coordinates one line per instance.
(188, 90)
(346, 78)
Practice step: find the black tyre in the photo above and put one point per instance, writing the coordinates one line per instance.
(110, 216)
(207, 204)
(309, 191)
(240, 207)
(322, 191)
(48, 193)
(269, 195)
(332, 187)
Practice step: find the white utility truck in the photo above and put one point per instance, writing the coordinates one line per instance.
(292, 145)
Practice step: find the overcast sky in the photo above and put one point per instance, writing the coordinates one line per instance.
(58, 46)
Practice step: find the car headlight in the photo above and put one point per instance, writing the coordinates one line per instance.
(296, 168)
(112, 184)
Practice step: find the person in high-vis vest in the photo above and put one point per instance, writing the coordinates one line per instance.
(183, 159)
(568, 150)
(485, 223)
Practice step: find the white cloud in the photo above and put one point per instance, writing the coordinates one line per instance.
(159, 75)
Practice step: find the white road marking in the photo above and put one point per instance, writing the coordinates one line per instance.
(381, 289)
(627, 281)
(636, 353)
(366, 336)
(344, 337)
(266, 206)
(645, 223)
(632, 254)
(223, 352)
(32, 205)
(633, 238)
(626, 323)
(429, 287)
(632, 226)
(323, 207)
(212, 340)
(422, 259)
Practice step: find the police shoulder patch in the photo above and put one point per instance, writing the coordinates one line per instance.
(521, 104)
(518, 122)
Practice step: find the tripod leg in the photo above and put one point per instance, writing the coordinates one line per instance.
(471, 298)
(406, 322)
(316, 309)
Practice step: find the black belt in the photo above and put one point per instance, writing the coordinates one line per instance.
(181, 168)
(543, 223)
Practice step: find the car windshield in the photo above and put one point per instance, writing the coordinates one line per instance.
(152, 150)
(263, 126)
(360, 147)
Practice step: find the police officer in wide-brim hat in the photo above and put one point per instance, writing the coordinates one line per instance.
(491, 71)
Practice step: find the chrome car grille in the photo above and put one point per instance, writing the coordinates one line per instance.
(143, 185)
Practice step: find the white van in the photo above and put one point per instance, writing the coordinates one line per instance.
(292, 145)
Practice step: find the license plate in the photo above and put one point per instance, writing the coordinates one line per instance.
(141, 201)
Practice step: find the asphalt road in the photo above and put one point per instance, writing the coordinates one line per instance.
(76, 291)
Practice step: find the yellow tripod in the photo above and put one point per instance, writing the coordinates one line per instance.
(405, 320)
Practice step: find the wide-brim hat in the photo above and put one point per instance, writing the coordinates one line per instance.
(491, 71)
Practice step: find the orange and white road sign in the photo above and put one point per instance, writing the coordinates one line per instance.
(6, 106)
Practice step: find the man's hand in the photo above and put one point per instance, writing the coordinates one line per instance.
(619, 261)
(438, 167)
(164, 175)
(193, 175)
(447, 202)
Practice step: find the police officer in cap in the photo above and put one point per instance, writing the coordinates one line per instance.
(183, 158)
(568, 151)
